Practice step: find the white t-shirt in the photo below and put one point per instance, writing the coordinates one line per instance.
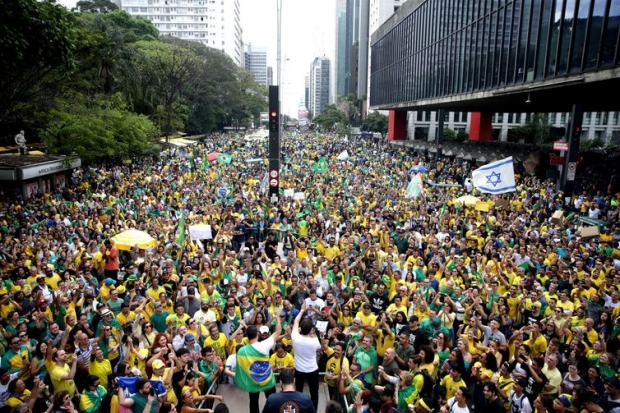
(231, 364)
(453, 407)
(305, 349)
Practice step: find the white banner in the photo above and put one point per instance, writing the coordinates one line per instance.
(200, 231)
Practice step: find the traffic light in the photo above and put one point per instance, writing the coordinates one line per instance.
(273, 121)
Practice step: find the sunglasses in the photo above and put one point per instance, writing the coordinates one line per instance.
(22, 335)
(15, 342)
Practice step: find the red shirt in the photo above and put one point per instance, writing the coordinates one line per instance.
(111, 261)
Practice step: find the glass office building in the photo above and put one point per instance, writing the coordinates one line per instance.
(450, 47)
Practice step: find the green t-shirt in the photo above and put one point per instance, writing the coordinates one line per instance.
(139, 403)
(159, 321)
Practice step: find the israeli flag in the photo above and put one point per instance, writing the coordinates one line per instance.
(496, 177)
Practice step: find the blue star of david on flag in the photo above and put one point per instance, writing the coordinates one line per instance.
(494, 178)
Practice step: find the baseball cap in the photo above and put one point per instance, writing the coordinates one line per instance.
(521, 382)
(565, 399)
(157, 304)
(264, 330)
(109, 281)
(106, 312)
(189, 337)
(158, 364)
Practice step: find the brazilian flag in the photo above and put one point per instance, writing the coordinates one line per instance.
(253, 373)
(320, 166)
(224, 158)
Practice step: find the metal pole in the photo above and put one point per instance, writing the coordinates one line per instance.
(279, 69)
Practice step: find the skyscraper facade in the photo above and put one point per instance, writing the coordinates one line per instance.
(256, 62)
(319, 85)
(214, 23)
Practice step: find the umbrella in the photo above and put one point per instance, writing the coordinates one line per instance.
(212, 156)
(419, 169)
(468, 200)
(126, 240)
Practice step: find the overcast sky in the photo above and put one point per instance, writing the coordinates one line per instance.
(308, 31)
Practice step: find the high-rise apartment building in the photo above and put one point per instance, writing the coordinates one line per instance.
(256, 62)
(356, 20)
(319, 85)
(214, 23)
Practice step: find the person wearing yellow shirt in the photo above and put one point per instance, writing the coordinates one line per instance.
(331, 250)
(385, 337)
(51, 278)
(537, 342)
(336, 363)
(100, 367)
(217, 341)
(126, 316)
(369, 320)
(155, 289)
(453, 381)
(281, 359)
(396, 306)
(164, 374)
(179, 318)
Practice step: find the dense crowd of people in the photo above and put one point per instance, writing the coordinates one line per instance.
(402, 304)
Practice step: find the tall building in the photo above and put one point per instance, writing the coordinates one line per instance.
(269, 75)
(341, 49)
(360, 19)
(306, 102)
(319, 85)
(216, 24)
(379, 12)
(256, 63)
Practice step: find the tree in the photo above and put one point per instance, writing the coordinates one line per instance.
(375, 122)
(166, 71)
(330, 118)
(95, 128)
(534, 131)
(36, 40)
(95, 6)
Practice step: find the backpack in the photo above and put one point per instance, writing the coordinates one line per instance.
(427, 387)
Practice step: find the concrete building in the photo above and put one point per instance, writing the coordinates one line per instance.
(319, 85)
(423, 125)
(256, 62)
(340, 49)
(306, 102)
(214, 23)
(269, 76)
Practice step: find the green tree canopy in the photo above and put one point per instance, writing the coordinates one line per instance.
(375, 122)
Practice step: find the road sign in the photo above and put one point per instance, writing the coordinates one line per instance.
(273, 182)
(557, 160)
(273, 173)
(571, 170)
(560, 146)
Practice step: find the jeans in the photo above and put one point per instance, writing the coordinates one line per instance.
(254, 399)
(313, 385)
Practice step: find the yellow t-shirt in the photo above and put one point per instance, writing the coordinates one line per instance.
(333, 366)
(101, 369)
(59, 384)
(282, 362)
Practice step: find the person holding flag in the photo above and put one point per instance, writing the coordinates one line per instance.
(253, 372)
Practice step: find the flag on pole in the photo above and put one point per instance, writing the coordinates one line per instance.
(192, 167)
(205, 164)
(320, 166)
(415, 188)
(180, 235)
(496, 177)
(224, 158)
(442, 212)
(263, 184)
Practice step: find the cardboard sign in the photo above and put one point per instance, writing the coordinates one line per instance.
(201, 231)
(557, 216)
(588, 232)
(483, 206)
(502, 203)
